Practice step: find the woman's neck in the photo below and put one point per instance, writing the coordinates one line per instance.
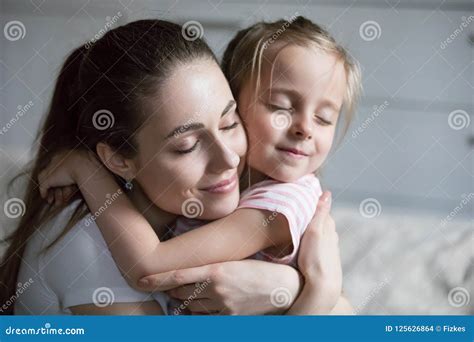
(250, 177)
(157, 217)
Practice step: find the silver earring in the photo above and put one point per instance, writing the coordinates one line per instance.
(129, 185)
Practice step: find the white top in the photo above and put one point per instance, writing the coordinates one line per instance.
(76, 270)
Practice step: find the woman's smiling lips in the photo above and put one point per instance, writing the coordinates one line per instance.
(292, 152)
(223, 187)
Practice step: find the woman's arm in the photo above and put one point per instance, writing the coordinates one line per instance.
(320, 263)
(135, 245)
(235, 288)
(129, 309)
(245, 287)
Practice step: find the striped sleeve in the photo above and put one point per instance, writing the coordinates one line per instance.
(296, 201)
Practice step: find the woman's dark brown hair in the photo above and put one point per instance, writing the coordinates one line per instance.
(101, 95)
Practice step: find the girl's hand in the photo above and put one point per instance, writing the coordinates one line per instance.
(229, 288)
(58, 181)
(319, 258)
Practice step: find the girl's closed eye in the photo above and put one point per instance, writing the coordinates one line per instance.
(274, 108)
(320, 118)
(323, 118)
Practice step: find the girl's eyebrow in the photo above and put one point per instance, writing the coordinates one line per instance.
(293, 93)
(331, 104)
(196, 125)
(285, 91)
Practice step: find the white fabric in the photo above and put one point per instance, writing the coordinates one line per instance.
(78, 269)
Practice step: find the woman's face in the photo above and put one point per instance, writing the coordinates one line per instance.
(192, 148)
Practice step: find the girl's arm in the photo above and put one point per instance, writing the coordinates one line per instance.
(245, 287)
(133, 242)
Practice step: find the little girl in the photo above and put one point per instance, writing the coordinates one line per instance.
(291, 81)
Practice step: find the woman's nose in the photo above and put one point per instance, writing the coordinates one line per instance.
(223, 158)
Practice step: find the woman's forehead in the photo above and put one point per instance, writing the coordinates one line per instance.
(194, 93)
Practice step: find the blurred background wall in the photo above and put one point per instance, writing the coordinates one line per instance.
(403, 149)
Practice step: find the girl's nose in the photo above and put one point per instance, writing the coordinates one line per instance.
(301, 127)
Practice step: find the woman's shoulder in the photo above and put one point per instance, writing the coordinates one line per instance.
(78, 263)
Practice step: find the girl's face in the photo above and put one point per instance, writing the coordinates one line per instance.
(192, 147)
(291, 121)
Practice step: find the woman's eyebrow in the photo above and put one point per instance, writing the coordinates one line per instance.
(196, 125)
(228, 107)
(184, 128)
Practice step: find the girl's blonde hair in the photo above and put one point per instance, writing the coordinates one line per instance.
(242, 60)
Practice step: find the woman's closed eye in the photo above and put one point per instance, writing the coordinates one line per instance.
(188, 150)
(195, 145)
(229, 127)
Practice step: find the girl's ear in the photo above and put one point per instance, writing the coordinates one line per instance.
(115, 162)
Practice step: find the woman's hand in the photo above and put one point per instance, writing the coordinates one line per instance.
(319, 262)
(244, 287)
(58, 182)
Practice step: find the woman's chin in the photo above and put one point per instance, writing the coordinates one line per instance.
(222, 208)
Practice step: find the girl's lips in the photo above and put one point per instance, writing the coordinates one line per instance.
(292, 152)
(223, 187)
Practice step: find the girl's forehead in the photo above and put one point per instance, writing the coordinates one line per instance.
(305, 70)
(299, 63)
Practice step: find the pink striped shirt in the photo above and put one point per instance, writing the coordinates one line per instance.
(296, 201)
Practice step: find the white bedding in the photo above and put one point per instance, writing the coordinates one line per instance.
(405, 263)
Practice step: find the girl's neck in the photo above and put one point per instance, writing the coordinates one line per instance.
(157, 217)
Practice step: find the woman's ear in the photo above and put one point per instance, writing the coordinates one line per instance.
(115, 162)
